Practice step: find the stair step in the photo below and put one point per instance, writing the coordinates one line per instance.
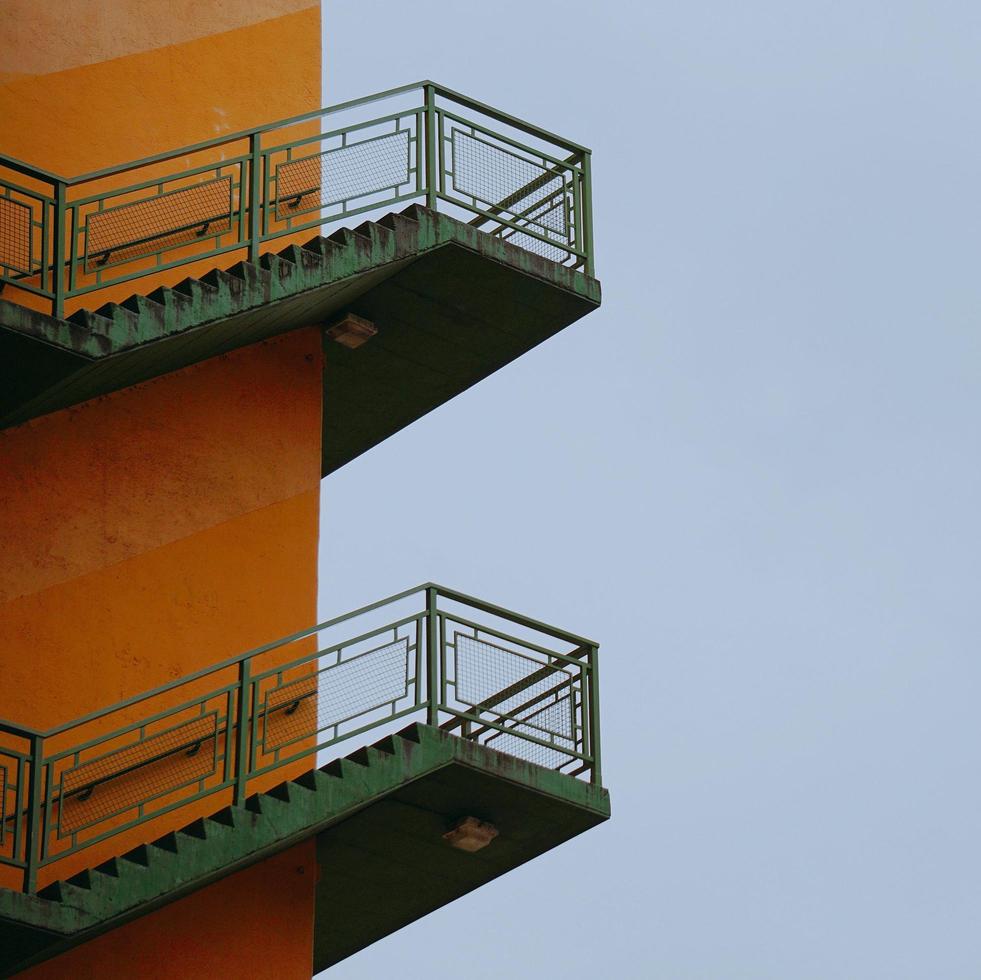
(142, 306)
(66, 892)
(55, 892)
(380, 236)
(258, 803)
(169, 298)
(276, 266)
(124, 320)
(412, 733)
(196, 828)
(220, 279)
(314, 780)
(280, 792)
(348, 237)
(386, 745)
(166, 843)
(194, 287)
(352, 773)
(372, 231)
(93, 322)
(415, 212)
(342, 236)
(292, 253)
(93, 888)
(306, 784)
(321, 246)
(226, 817)
(109, 868)
(82, 880)
(243, 270)
(139, 856)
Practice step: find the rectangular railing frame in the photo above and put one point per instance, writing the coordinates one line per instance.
(59, 261)
(33, 786)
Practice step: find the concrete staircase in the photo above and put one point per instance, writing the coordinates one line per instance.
(344, 254)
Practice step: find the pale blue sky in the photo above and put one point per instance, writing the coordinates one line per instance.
(752, 475)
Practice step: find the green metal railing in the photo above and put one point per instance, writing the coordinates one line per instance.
(62, 238)
(482, 672)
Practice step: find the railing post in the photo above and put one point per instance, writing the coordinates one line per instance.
(32, 845)
(255, 198)
(596, 773)
(242, 754)
(432, 180)
(587, 212)
(432, 658)
(58, 251)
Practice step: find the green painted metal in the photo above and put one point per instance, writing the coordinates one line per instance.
(586, 186)
(490, 164)
(33, 815)
(245, 729)
(434, 673)
(431, 147)
(58, 245)
(377, 816)
(255, 191)
(594, 719)
(502, 679)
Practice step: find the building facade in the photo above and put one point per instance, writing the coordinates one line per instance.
(215, 294)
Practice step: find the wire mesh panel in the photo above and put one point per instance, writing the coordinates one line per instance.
(532, 194)
(155, 224)
(343, 174)
(341, 692)
(550, 216)
(492, 676)
(498, 685)
(239, 191)
(528, 701)
(538, 722)
(501, 178)
(16, 239)
(118, 781)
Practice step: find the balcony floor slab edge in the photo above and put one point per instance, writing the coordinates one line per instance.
(452, 304)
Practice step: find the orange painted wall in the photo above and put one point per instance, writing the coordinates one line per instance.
(169, 526)
(257, 923)
(105, 82)
(156, 531)
(159, 529)
(102, 82)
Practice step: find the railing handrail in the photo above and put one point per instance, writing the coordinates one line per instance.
(39, 173)
(494, 610)
(239, 707)
(30, 170)
(11, 728)
(51, 253)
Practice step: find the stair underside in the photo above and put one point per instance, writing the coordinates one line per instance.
(452, 305)
(378, 816)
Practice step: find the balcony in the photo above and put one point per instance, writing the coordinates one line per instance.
(455, 709)
(475, 244)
